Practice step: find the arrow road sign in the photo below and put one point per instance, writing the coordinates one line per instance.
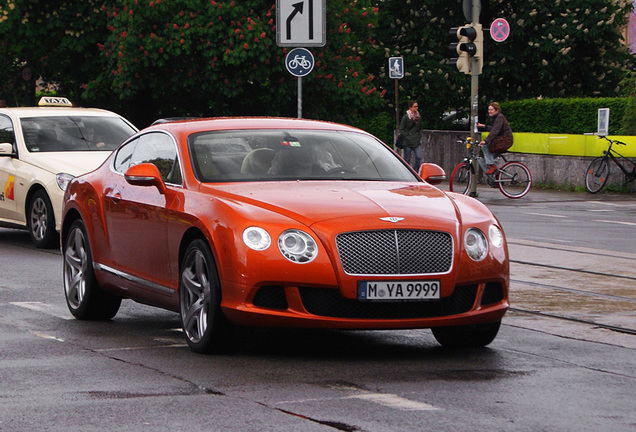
(301, 22)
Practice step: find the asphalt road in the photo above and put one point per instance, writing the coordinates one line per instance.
(558, 364)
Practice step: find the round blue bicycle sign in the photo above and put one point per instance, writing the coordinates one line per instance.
(299, 62)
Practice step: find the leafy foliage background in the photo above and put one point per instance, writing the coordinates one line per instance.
(158, 58)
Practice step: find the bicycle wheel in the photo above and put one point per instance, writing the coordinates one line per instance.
(514, 179)
(597, 174)
(461, 178)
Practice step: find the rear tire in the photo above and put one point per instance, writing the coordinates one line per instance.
(84, 298)
(597, 174)
(466, 336)
(514, 179)
(461, 179)
(42, 221)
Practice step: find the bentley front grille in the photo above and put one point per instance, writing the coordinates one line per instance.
(395, 252)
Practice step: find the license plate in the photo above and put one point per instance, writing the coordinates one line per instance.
(398, 290)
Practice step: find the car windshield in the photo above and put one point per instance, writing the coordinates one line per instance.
(75, 133)
(257, 155)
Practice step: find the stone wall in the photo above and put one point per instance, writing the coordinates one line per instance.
(442, 148)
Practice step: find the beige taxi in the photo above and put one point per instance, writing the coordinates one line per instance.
(41, 149)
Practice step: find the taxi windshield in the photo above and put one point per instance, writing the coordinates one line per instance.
(74, 133)
(257, 155)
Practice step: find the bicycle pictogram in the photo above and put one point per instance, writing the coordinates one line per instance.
(299, 61)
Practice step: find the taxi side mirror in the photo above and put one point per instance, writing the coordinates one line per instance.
(145, 174)
(6, 149)
(432, 173)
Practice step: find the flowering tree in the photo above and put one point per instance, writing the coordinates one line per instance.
(184, 57)
(55, 41)
(557, 48)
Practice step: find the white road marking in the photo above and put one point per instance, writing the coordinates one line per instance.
(47, 336)
(46, 308)
(394, 401)
(386, 399)
(605, 203)
(547, 215)
(143, 347)
(617, 222)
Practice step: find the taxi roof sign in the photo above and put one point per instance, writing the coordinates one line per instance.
(54, 101)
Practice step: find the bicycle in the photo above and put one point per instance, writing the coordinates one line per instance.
(599, 170)
(512, 178)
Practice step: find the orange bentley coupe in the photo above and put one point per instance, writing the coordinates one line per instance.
(280, 222)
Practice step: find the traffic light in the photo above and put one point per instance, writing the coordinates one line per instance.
(469, 45)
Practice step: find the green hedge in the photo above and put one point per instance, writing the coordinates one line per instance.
(563, 116)
(380, 124)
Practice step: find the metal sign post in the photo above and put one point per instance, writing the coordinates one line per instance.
(396, 72)
(474, 95)
(299, 62)
(301, 23)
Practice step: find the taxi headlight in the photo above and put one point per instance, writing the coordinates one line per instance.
(496, 236)
(63, 180)
(297, 246)
(475, 244)
(256, 238)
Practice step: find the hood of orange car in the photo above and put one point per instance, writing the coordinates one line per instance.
(315, 202)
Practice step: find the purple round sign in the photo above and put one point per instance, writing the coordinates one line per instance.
(499, 30)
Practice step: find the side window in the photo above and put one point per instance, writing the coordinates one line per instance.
(159, 149)
(6, 131)
(124, 156)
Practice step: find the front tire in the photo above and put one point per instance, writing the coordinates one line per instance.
(84, 298)
(466, 336)
(202, 320)
(514, 179)
(461, 179)
(42, 221)
(597, 174)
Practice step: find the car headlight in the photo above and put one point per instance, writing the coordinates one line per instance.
(63, 180)
(475, 244)
(297, 246)
(496, 236)
(256, 238)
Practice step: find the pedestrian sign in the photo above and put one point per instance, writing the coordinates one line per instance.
(396, 67)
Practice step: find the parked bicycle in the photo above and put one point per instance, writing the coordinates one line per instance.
(599, 170)
(512, 178)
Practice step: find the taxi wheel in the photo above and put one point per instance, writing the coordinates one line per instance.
(42, 221)
(466, 336)
(84, 297)
(202, 320)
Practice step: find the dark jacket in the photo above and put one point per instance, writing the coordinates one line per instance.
(411, 129)
(500, 127)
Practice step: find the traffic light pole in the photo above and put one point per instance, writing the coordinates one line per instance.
(474, 96)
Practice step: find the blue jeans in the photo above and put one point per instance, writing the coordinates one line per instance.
(489, 159)
(416, 151)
